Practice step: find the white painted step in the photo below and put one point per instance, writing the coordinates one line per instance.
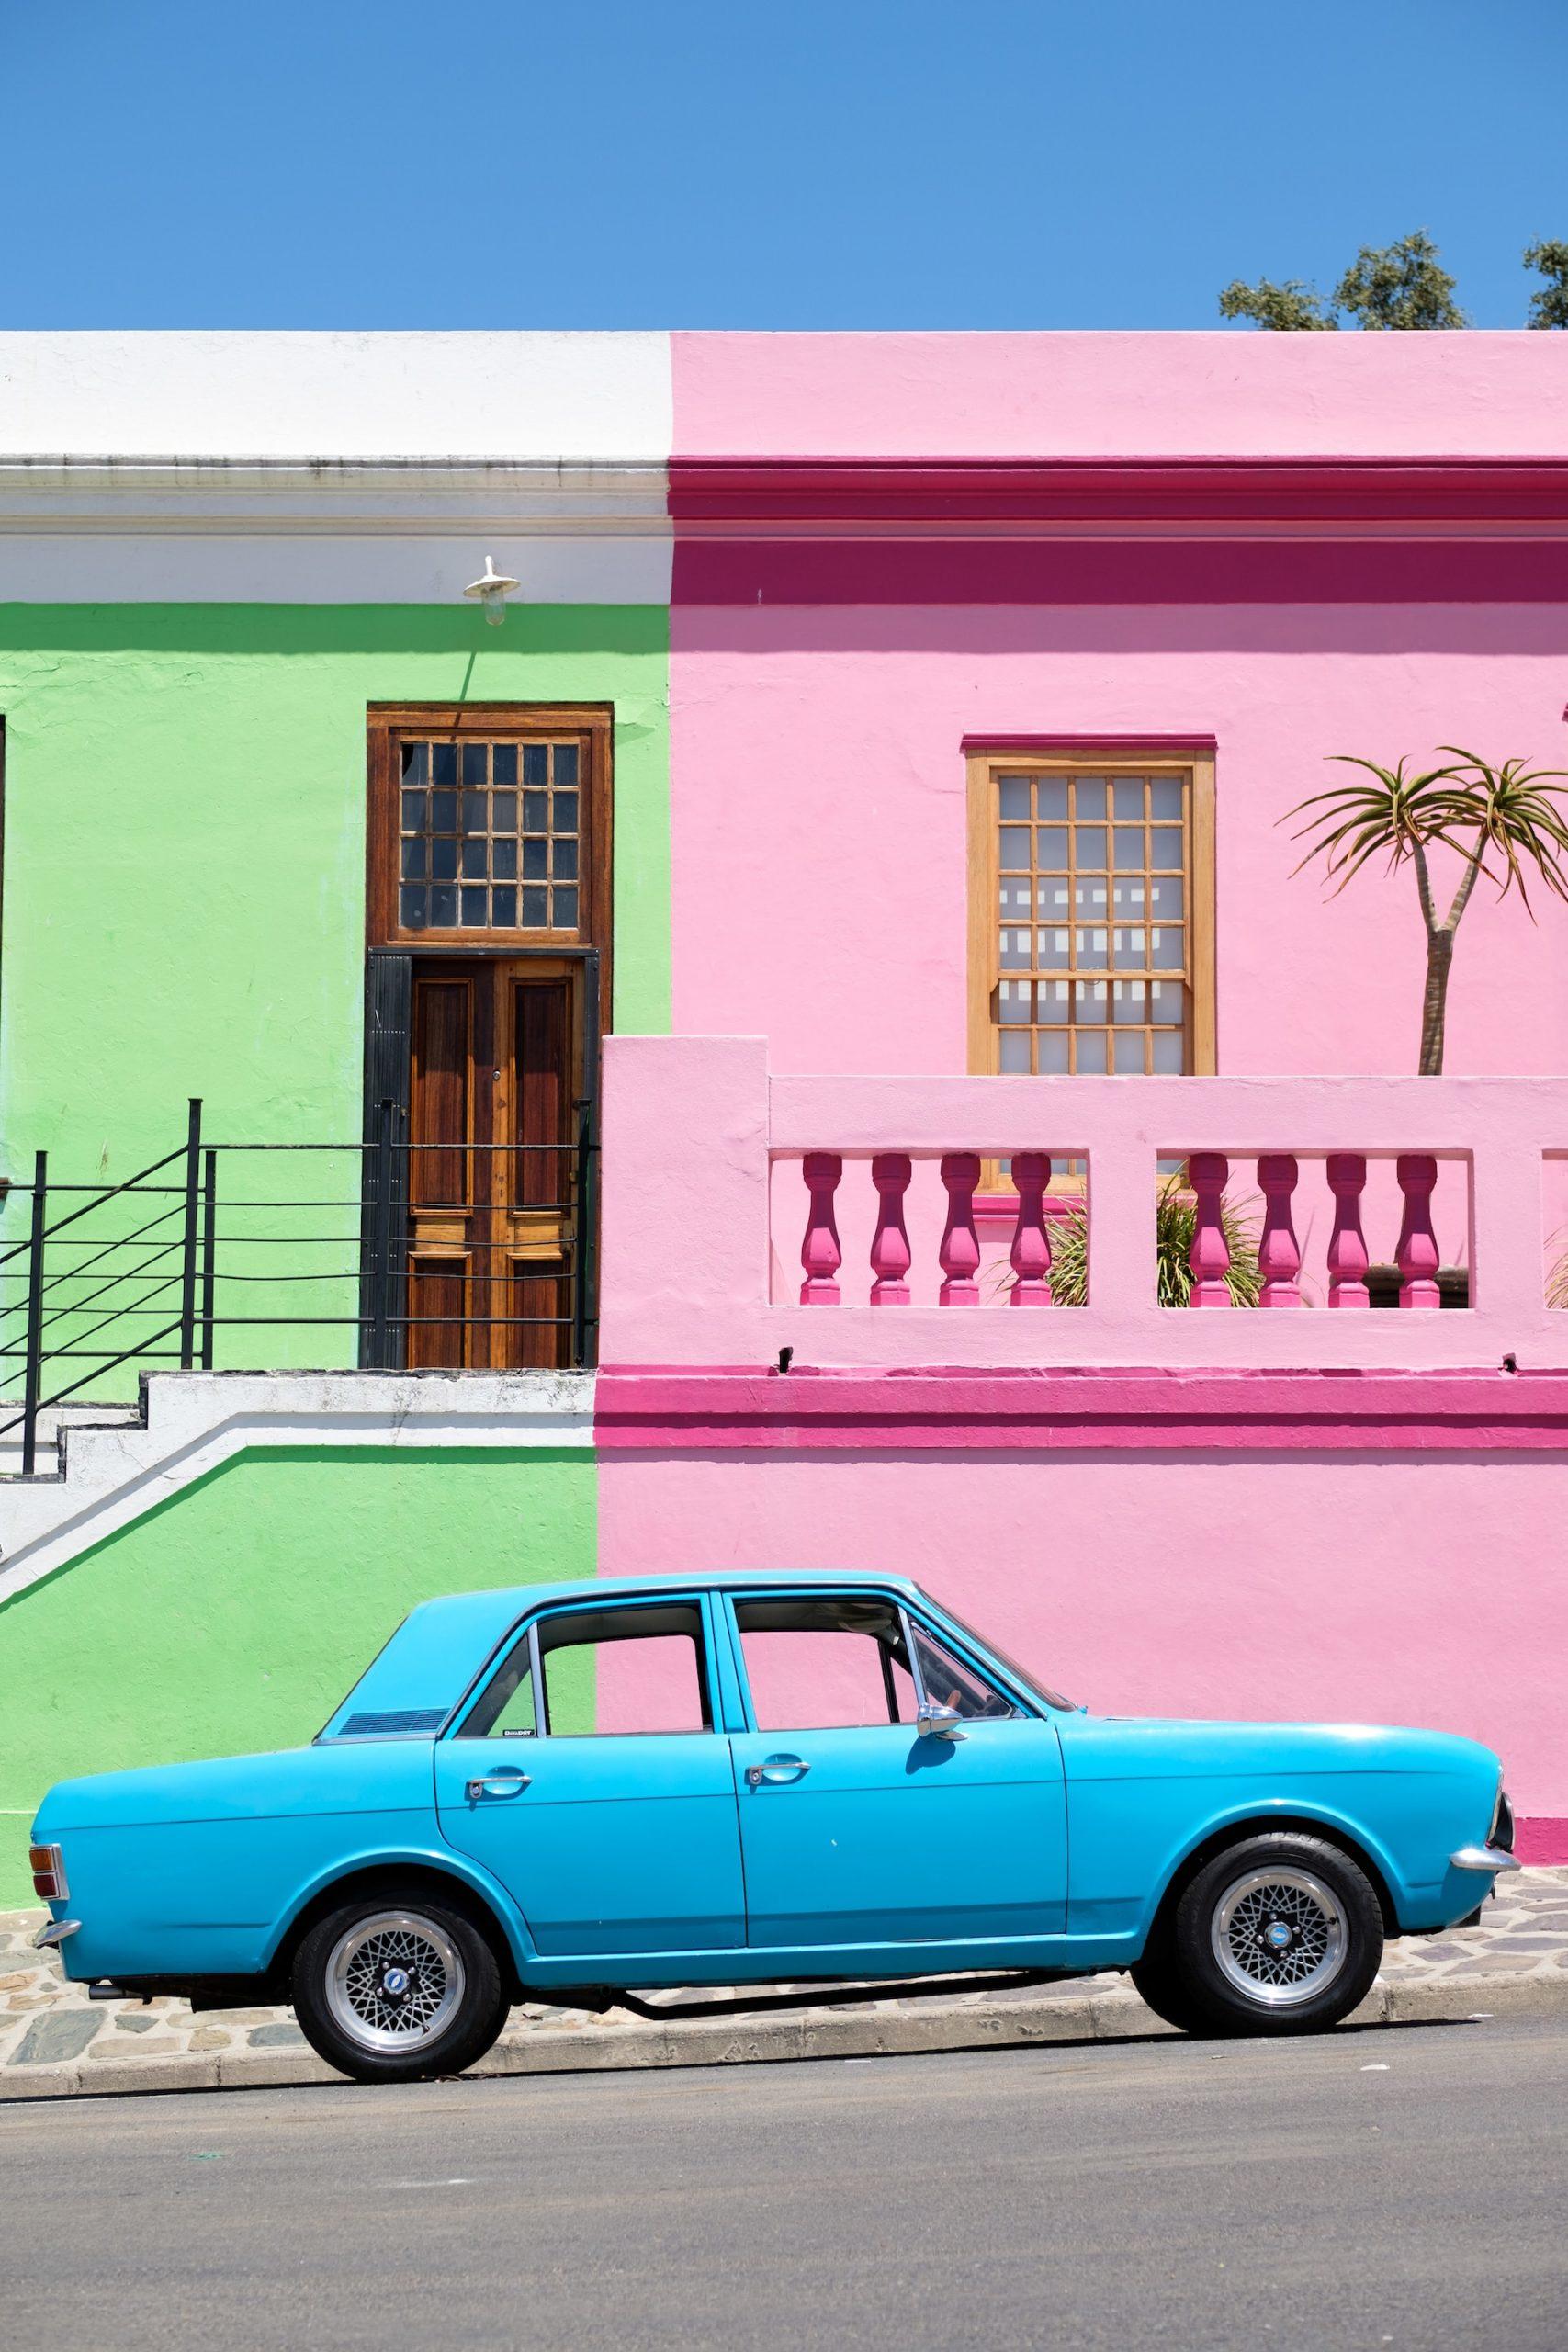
(195, 1420)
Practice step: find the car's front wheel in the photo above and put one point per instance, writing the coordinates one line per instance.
(398, 1988)
(1278, 1934)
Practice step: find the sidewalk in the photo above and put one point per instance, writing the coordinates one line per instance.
(55, 2043)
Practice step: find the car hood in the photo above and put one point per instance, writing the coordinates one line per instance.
(1174, 1743)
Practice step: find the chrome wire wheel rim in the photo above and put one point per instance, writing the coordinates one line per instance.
(1280, 1937)
(394, 1983)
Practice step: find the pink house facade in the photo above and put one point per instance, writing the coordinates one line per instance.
(997, 665)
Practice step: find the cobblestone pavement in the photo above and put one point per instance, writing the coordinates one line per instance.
(44, 2022)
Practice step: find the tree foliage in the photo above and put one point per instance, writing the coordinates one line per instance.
(1289, 308)
(1402, 287)
(1549, 303)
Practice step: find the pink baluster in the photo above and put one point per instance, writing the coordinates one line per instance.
(1418, 1251)
(1208, 1172)
(1278, 1251)
(819, 1251)
(890, 1173)
(1030, 1251)
(959, 1248)
(1347, 1255)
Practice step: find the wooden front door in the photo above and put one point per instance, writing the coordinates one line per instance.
(495, 1051)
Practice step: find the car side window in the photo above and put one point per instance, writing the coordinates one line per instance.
(825, 1663)
(591, 1672)
(949, 1682)
(514, 1693)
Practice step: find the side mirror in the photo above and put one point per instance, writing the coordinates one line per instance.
(934, 1722)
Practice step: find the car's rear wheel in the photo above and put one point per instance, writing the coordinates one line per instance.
(1278, 1934)
(398, 1986)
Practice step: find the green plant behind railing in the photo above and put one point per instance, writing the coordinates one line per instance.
(1175, 1215)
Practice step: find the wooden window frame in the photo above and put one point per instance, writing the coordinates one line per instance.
(495, 721)
(1125, 758)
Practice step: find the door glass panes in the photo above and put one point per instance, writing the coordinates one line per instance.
(605, 1671)
(489, 837)
(1102, 863)
(831, 1663)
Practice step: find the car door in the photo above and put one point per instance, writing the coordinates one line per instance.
(588, 1777)
(860, 1828)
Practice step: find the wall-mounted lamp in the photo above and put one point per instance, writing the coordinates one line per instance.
(493, 589)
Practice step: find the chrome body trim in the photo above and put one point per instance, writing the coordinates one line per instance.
(1483, 1858)
(54, 1933)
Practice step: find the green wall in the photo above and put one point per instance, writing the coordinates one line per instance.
(184, 889)
(235, 1616)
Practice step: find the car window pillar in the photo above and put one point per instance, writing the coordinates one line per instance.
(913, 1655)
(537, 1676)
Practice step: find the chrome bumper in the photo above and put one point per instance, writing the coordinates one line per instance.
(55, 1933)
(1483, 1858)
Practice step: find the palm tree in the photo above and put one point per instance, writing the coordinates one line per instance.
(1502, 822)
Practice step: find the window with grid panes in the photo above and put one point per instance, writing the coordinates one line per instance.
(489, 836)
(1093, 922)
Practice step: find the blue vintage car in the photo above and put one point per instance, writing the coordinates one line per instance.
(576, 1791)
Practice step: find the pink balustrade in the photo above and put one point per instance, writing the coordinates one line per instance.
(1278, 1251)
(960, 1249)
(1208, 1172)
(929, 1194)
(890, 1258)
(1029, 1256)
(819, 1253)
(1348, 1258)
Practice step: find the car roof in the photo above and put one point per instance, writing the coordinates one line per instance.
(432, 1658)
(527, 1596)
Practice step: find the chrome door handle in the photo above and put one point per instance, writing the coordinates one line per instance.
(781, 1770)
(496, 1784)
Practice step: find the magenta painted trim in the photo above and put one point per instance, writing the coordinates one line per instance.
(1108, 740)
(796, 491)
(1055, 1410)
(1542, 1841)
(966, 570)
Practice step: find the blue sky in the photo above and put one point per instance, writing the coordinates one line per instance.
(722, 163)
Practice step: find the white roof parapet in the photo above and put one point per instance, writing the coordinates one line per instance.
(319, 398)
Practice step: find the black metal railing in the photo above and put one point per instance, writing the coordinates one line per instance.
(206, 1243)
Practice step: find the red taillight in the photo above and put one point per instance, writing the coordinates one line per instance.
(47, 1867)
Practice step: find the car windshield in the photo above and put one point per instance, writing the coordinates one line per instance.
(1021, 1674)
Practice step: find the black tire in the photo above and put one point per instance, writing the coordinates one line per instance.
(1278, 1934)
(398, 1986)
(1159, 1986)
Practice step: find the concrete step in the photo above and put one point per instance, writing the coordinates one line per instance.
(52, 1420)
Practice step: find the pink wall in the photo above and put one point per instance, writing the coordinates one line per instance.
(1387, 1589)
(1038, 395)
(817, 792)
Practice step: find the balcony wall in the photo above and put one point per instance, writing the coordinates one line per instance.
(706, 1210)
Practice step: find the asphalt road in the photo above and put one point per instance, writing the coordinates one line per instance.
(1403, 2187)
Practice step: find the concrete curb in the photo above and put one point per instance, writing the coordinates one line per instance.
(722, 2042)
